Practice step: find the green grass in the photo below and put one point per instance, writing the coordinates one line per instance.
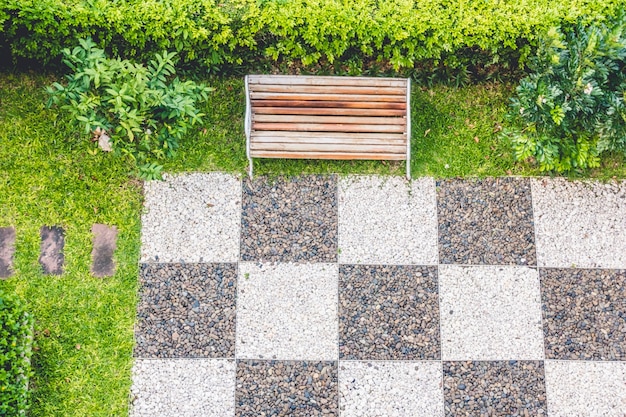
(48, 177)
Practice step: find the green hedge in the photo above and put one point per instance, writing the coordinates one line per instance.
(16, 339)
(243, 34)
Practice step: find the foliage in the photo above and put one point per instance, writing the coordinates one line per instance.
(315, 35)
(572, 107)
(16, 339)
(143, 110)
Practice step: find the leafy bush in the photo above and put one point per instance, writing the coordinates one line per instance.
(16, 339)
(572, 107)
(134, 110)
(245, 35)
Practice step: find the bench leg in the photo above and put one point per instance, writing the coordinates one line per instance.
(250, 167)
(408, 169)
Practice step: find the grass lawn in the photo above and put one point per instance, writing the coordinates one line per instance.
(48, 177)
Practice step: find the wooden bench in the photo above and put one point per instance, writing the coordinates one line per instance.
(316, 117)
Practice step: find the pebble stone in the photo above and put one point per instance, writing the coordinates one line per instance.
(580, 224)
(584, 313)
(390, 389)
(486, 221)
(191, 218)
(286, 388)
(183, 388)
(388, 312)
(387, 220)
(490, 312)
(7, 250)
(584, 389)
(186, 310)
(497, 388)
(287, 311)
(289, 219)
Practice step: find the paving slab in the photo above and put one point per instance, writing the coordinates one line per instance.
(191, 218)
(580, 224)
(388, 312)
(51, 256)
(490, 313)
(387, 220)
(584, 313)
(183, 388)
(487, 221)
(287, 311)
(390, 389)
(186, 310)
(586, 389)
(104, 243)
(7, 250)
(289, 219)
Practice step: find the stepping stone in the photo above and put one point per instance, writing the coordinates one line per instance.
(104, 244)
(7, 249)
(51, 253)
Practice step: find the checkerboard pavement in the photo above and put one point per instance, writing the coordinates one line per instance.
(369, 296)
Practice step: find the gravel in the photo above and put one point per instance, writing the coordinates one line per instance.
(7, 250)
(191, 218)
(580, 224)
(490, 313)
(183, 388)
(387, 220)
(388, 312)
(287, 311)
(51, 256)
(289, 219)
(583, 389)
(500, 388)
(390, 389)
(186, 311)
(486, 221)
(286, 388)
(584, 313)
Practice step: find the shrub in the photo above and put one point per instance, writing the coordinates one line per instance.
(16, 339)
(572, 106)
(134, 110)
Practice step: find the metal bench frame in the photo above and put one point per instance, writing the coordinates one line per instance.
(352, 117)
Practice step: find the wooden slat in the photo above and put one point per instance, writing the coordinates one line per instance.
(329, 111)
(329, 104)
(374, 98)
(327, 147)
(321, 127)
(329, 155)
(280, 118)
(327, 89)
(401, 141)
(324, 80)
(316, 135)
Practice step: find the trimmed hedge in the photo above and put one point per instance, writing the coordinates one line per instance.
(16, 339)
(244, 34)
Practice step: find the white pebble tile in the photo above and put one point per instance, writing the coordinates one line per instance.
(490, 313)
(390, 389)
(183, 388)
(586, 389)
(287, 311)
(580, 224)
(387, 220)
(192, 218)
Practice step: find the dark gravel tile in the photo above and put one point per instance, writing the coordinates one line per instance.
(388, 312)
(498, 388)
(51, 256)
(7, 250)
(486, 221)
(186, 310)
(286, 388)
(584, 313)
(289, 219)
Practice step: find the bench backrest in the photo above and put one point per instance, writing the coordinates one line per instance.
(319, 117)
